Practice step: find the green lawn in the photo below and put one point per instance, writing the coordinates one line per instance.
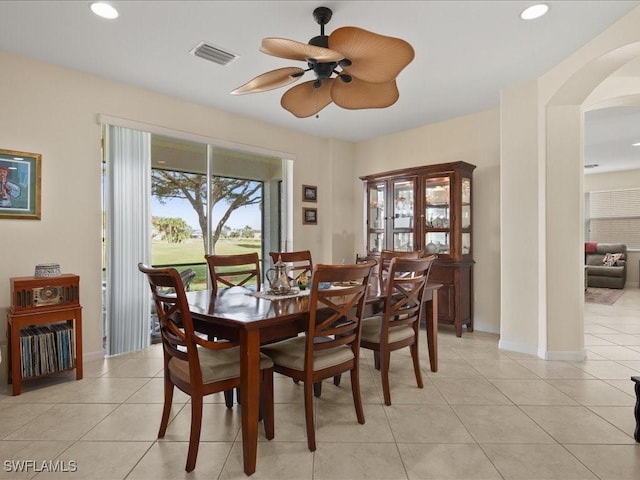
(190, 254)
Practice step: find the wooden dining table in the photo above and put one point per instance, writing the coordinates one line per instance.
(237, 314)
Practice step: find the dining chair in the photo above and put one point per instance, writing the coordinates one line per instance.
(385, 258)
(234, 270)
(398, 325)
(195, 365)
(300, 262)
(331, 342)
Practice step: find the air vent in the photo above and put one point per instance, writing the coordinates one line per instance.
(213, 54)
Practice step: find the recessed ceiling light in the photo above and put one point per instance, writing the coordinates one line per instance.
(534, 11)
(104, 10)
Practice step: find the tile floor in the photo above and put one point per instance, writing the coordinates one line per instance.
(486, 414)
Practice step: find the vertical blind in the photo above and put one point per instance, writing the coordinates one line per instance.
(128, 196)
(614, 217)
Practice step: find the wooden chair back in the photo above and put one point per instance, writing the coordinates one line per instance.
(299, 261)
(234, 270)
(385, 258)
(335, 313)
(404, 292)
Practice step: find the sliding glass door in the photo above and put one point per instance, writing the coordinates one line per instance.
(204, 199)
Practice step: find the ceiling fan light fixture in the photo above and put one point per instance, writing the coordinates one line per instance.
(534, 11)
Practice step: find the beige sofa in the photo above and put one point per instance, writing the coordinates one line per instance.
(604, 275)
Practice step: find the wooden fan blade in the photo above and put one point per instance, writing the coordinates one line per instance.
(360, 94)
(303, 100)
(284, 48)
(270, 80)
(374, 58)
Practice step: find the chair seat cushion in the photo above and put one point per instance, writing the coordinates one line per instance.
(216, 365)
(290, 353)
(371, 327)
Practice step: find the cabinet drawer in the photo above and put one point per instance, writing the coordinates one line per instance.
(440, 274)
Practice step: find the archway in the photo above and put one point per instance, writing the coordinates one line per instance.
(564, 199)
(541, 197)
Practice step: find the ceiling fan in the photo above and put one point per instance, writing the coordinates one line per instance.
(354, 68)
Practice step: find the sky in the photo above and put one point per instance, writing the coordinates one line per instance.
(180, 208)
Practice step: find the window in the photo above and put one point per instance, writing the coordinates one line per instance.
(614, 217)
(180, 211)
(198, 187)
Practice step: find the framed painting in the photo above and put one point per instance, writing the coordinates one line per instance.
(309, 216)
(19, 185)
(309, 193)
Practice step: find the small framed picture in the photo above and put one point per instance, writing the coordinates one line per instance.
(19, 185)
(309, 193)
(309, 216)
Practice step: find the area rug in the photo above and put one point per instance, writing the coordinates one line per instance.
(605, 296)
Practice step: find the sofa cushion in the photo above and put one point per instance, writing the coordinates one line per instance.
(603, 271)
(590, 247)
(594, 259)
(604, 248)
(611, 259)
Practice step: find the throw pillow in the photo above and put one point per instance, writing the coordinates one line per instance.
(611, 259)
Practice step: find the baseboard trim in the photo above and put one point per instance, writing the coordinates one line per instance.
(517, 347)
(566, 356)
(87, 357)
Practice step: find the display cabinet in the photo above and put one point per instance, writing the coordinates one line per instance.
(428, 208)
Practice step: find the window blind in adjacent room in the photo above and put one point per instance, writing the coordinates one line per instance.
(614, 217)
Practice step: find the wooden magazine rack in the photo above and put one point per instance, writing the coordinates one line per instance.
(53, 303)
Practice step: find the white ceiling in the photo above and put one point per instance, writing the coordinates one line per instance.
(466, 51)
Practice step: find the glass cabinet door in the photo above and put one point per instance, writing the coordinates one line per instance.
(437, 215)
(403, 215)
(376, 217)
(466, 216)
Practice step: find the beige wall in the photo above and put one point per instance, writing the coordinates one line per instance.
(618, 181)
(53, 111)
(521, 253)
(474, 139)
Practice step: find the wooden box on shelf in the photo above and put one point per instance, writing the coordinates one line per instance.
(44, 327)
